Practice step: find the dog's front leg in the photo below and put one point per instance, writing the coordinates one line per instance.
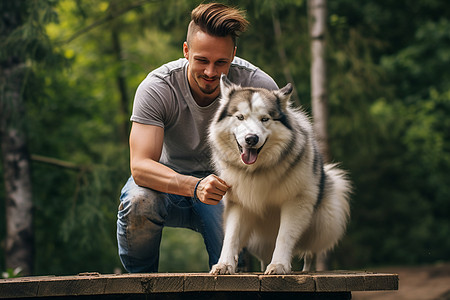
(293, 222)
(231, 245)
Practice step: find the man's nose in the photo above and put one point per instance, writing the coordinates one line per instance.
(210, 70)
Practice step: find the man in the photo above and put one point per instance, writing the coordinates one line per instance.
(172, 182)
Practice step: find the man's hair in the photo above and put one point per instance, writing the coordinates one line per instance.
(218, 20)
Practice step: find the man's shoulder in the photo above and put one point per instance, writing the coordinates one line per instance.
(170, 68)
(241, 63)
(244, 73)
(169, 77)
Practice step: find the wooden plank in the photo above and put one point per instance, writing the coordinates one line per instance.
(71, 285)
(199, 283)
(144, 284)
(206, 282)
(330, 283)
(380, 281)
(12, 288)
(125, 284)
(237, 283)
(287, 283)
(354, 282)
(165, 283)
(342, 281)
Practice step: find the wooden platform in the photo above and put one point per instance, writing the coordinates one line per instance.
(320, 285)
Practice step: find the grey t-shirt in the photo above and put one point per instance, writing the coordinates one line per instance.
(164, 99)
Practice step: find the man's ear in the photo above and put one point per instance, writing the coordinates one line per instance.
(185, 50)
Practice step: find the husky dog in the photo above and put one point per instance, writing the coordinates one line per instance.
(283, 200)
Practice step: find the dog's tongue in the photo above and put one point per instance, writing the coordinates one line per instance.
(249, 155)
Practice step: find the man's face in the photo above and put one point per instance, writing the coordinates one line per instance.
(209, 56)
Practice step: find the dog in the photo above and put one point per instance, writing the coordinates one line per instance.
(283, 200)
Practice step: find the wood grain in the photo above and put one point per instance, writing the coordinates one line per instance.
(91, 284)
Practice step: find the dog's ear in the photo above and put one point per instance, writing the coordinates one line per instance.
(287, 90)
(284, 94)
(226, 89)
(226, 86)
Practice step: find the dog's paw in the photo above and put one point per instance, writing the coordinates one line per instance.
(277, 269)
(222, 269)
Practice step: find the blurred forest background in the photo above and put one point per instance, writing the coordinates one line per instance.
(389, 118)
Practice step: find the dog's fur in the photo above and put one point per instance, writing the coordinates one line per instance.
(283, 200)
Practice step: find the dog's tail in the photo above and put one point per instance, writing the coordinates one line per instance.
(331, 215)
(341, 187)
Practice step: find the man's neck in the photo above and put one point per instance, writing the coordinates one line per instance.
(203, 100)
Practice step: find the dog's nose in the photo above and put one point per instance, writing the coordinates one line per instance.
(251, 139)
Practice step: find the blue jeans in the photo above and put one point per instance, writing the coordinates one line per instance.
(144, 212)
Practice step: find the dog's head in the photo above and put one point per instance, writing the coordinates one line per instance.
(251, 119)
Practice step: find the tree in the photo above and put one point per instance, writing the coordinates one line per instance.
(16, 169)
(22, 39)
(16, 161)
(317, 15)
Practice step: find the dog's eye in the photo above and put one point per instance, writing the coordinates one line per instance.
(264, 119)
(240, 117)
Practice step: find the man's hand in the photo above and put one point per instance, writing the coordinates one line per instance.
(211, 189)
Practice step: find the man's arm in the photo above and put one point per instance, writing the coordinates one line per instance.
(146, 142)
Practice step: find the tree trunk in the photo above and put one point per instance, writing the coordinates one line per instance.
(19, 247)
(122, 88)
(317, 26)
(317, 14)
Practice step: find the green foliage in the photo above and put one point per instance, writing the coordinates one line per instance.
(397, 143)
(12, 273)
(182, 250)
(28, 40)
(389, 101)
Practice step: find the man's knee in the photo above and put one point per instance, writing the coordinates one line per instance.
(143, 203)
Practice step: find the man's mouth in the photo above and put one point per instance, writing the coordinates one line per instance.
(208, 79)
